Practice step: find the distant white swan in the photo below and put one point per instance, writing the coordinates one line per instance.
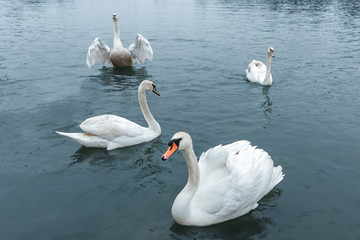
(110, 131)
(119, 56)
(259, 72)
(226, 183)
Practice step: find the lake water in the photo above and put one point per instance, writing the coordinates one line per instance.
(308, 120)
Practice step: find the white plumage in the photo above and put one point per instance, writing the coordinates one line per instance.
(110, 131)
(119, 56)
(227, 182)
(260, 73)
(98, 51)
(140, 49)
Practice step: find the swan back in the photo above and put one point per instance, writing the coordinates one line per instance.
(213, 161)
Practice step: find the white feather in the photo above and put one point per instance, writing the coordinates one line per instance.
(258, 72)
(110, 131)
(98, 52)
(140, 49)
(227, 182)
(119, 56)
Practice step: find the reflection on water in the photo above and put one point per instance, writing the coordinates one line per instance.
(95, 156)
(121, 78)
(269, 200)
(245, 227)
(147, 168)
(267, 105)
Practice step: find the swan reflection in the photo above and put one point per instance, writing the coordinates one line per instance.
(121, 78)
(267, 106)
(245, 227)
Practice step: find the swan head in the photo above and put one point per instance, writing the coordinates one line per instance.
(148, 85)
(270, 51)
(180, 141)
(115, 18)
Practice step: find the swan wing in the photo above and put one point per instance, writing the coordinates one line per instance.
(98, 51)
(140, 49)
(215, 158)
(110, 127)
(253, 175)
(233, 187)
(215, 181)
(256, 71)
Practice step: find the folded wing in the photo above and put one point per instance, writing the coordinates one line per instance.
(110, 127)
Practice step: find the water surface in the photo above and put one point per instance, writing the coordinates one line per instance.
(308, 120)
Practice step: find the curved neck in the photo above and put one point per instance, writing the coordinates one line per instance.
(152, 123)
(117, 42)
(193, 169)
(193, 176)
(182, 204)
(268, 68)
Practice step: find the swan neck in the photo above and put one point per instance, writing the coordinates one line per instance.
(117, 41)
(182, 204)
(193, 170)
(268, 68)
(152, 123)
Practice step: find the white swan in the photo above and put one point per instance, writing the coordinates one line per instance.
(259, 72)
(226, 183)
(119, 56)
(110, 131)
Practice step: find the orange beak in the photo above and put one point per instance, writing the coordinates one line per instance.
(170, 151)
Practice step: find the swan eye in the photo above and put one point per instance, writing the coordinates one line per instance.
(176, 141)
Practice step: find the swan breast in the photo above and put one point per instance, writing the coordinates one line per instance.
(120, 58)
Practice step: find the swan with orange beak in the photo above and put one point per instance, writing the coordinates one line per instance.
(227, 182)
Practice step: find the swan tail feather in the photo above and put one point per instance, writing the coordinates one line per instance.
(277, 177)
(112, 146)
(86, 139)
(69, 135)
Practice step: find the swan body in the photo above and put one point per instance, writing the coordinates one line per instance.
(110, 131)
(226, 183)
(119, 56)
(260, 73)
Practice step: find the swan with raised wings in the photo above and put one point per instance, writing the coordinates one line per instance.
(119, 56)
(226, 183)
(259, 72)
(110, 131)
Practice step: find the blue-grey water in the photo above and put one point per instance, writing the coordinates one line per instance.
(308, 120)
